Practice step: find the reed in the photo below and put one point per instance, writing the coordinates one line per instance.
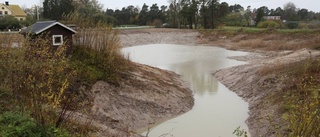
(49, 84)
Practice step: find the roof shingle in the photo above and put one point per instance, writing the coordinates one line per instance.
(39, 27)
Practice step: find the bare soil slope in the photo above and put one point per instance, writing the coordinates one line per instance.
(248, 82)
(148, 94)
(145, 94)
(158, 36)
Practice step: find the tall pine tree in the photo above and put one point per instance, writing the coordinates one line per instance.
(55, 9)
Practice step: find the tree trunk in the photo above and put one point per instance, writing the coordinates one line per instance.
(196, 23)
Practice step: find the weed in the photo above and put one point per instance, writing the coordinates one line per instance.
(265, 39)
(252, 44)
(240, 133)
(15, 124)
(302, 101)
(298, 99)
(99, 54)
(47, 83)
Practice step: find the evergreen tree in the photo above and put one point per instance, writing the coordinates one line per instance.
(143, 16)
(55, 9)
(260, 14)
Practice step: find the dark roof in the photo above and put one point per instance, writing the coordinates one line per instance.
(39, 27)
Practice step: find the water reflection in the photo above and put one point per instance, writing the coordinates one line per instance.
(217, 111)
(200, 80)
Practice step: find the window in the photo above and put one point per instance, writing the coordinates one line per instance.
(57, 40)
(0, 12)
(6, 12)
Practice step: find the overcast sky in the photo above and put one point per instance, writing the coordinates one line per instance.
(118, 4)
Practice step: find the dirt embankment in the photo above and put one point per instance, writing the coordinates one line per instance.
(148, 94)
(158, 36)
(250, 82)
(145, 94)
(254, 87)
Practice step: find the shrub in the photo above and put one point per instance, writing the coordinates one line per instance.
(99, 52)
(309, 25)
(314, 25)
(84, 61)
(38, 80)
(157, 23)
(303, 25)
(16, 125)
(9, 22)
(234, 19)
(268, 24)
(302, 100)
(49, 84)
(252, 43)
(292, 25)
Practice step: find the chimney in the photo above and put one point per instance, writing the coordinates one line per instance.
(7, 3)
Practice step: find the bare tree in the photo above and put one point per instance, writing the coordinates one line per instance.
(173, 12)
(290, 11)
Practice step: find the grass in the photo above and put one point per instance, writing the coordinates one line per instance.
(242, 29)
(253, 30)
(265, 39)
(132, 27)
(98, 52)
(264, 30)
(296, 85)
(7, 38)
(47, 84)
(299, 99)
(15, 124)
(252, 43)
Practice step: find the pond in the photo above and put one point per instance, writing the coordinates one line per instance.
(217, 110)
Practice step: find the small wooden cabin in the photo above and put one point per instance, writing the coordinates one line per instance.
(56, 32)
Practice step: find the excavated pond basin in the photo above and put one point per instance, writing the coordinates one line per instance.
(217, 110)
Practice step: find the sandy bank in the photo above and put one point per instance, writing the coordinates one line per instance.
(247, 82)
(158, 36)
(145, 94)
(150, 94)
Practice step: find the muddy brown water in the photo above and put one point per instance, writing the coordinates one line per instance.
(217, 111)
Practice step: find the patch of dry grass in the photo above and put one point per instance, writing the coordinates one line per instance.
(299, 96)
(100, 52)
(276, 42)
(265, 40)
(46, 83)
(271, 37)
(315, 42)
(239, 38)
(271, 68)
(302, 98)
(10, 39)
(252, 44)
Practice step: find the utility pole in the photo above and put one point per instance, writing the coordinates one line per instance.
(38, 14)
(40, 5)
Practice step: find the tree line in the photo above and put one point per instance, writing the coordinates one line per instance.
(207, 14)
(192, 14)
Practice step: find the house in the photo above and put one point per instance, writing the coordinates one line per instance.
(272, 17)
(13, 10)
(56, 32)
